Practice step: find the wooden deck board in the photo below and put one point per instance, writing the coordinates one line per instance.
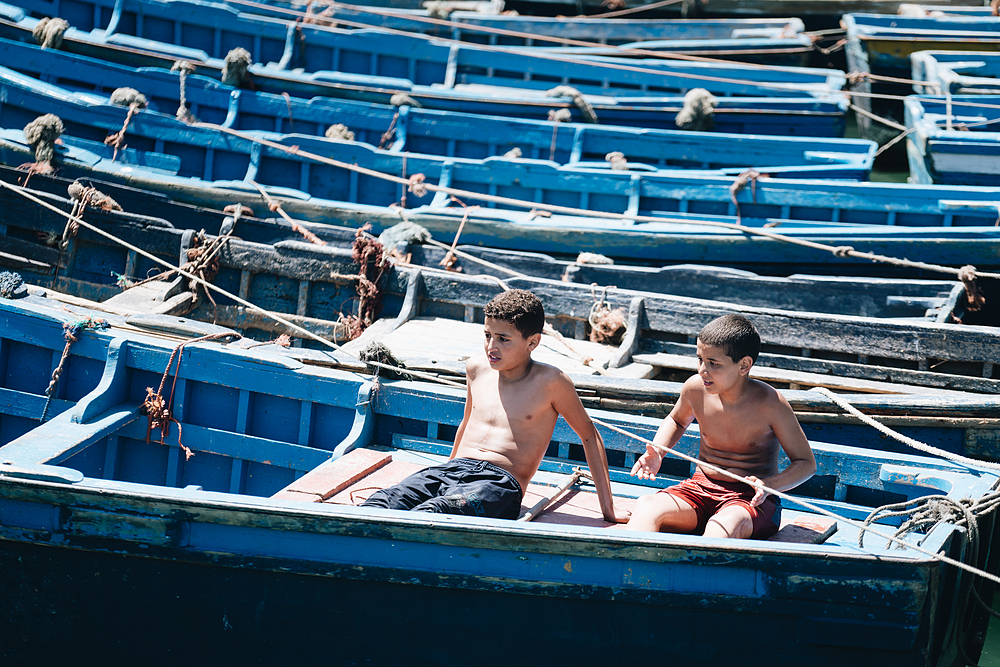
(444, 339)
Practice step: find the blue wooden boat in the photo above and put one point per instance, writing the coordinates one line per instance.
(209, 168)
(219, 548)
(801, 101)
(88, 267)
(807, 116)
(956, 72)
(770, 41)
(913, 388)
(416, 130)
(953, 140)
(882, 45)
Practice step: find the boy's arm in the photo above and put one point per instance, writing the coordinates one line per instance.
(470, 376)
(801, 461)
(668, 435)
(567, 403)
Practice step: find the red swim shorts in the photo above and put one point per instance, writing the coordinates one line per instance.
(708, 496)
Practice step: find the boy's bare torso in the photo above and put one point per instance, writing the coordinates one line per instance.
(510, 424)
(739, 437)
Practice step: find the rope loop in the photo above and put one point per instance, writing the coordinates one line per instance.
(415, 184)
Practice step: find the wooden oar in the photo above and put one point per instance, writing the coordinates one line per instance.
(540, 506)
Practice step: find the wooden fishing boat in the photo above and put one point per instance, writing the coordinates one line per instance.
(218, 169)
(642, 368)
(770, 41)
(953, 139)
(956, 72)
(415, 130)
(475, 78)
(29, 240)
(882, 45)
(209, 530)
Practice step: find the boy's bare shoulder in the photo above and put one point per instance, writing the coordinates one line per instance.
(543, 372)
(767, 396)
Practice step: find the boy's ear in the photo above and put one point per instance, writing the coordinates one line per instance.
(746, 363)
(533, 341)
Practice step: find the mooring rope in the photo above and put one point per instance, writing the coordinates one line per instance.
(916, 444)
(209, 286)
(808, 505)
(434, 378)
(418, 182)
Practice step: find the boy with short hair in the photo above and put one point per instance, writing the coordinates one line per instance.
(743, 422)
(511, 406)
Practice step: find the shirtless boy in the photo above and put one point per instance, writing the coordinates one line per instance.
(742, 422)
(511, 406)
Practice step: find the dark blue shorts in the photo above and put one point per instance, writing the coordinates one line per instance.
(460, 486)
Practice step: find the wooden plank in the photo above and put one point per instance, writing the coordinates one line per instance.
(805, 529)
(854, 385)
(449, 340)
(332, 477)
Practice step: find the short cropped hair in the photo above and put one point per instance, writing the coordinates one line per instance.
(735, 334)
(519, 307)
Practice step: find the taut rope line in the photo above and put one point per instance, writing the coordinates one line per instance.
(309, 334)
(207, 285)
(810, 506)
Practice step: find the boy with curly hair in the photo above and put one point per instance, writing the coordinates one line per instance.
(511, 407)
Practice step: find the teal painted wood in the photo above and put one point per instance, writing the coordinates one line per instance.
(882, 45)
(954, 242)
(450, 134)
(97, 487)
(956, 72)
(277, 277)
(953, 139)
(808, 102)
(772, 41)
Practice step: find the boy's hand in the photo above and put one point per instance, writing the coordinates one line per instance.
(648, 464)
(760, 494)
(621, 516)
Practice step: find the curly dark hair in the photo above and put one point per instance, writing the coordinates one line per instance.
(733, 333)
(519, 307)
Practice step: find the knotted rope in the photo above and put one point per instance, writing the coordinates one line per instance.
(750, 177)
(158, 409)
(41, 134)
(275, 207)
(589, 115)
(373, 263)
(340, 131)
(402, 99)
(12, 285)
(513, 154)
(698, 112)
(973, 297)
(377, 351)
(84, 196)
(607, 325)
(48, 32)
(617, 160)
(557, 116)
(71, 333)
(235, 67)
(135, 101)
(184, 68)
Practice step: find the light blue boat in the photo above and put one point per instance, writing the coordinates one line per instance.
(208, 528)
(771, 41)
(882, 45)
(459, 77)
(954, 140)
(415, 130)
(956, 72)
